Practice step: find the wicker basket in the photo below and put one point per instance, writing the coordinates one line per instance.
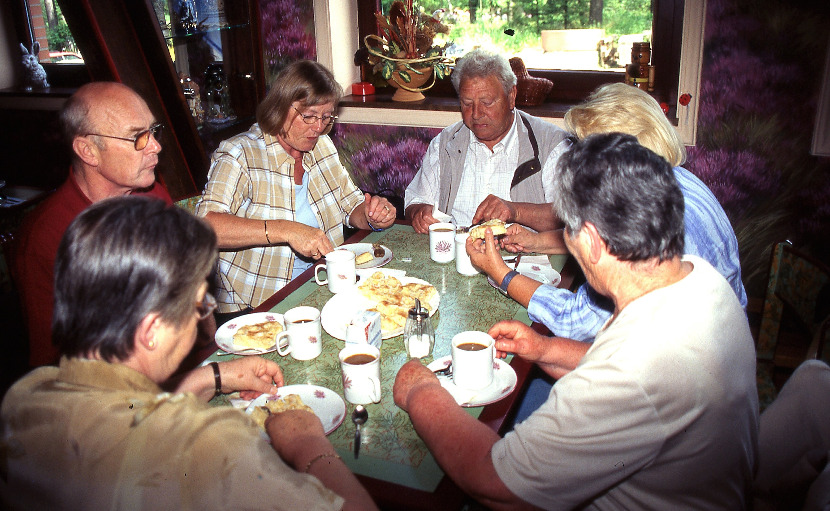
(530, 90)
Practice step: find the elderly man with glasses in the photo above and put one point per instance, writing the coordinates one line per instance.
(114, 139)
(277, 194)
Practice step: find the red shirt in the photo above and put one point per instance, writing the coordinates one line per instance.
(37, 247)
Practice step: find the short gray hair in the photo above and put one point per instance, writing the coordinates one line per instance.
(628, 192)
(482, 64)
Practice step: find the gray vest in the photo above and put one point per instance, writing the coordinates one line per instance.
(537, 139)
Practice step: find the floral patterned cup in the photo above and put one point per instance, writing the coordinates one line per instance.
(340, 271)
(442, 242)
(302, 328)
(360, 364)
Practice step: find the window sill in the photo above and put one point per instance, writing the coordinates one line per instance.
(52, 98)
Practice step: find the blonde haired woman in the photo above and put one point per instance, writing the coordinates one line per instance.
(618, 108)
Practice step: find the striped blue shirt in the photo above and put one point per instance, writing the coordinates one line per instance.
(709, 235)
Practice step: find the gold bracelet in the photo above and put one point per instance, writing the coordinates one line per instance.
(318, 458)
(265, 223)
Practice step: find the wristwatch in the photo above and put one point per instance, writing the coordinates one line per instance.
(506, 280)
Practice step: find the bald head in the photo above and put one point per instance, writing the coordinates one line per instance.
(102, 122)
(95, 103)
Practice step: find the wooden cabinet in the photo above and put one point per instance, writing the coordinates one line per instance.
(134, 42)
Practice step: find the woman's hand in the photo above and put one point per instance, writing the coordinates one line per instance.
(308, 241)
(517, 338)
(413, 374)
(378, 211)
(485, 255)
(251, 376)
(520, 239)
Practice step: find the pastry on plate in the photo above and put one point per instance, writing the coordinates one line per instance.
(259, 336)
(365, 257)
(289, 402)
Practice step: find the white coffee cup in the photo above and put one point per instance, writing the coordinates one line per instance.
(462, 259)
(302, 330)
(340, 270)
(442, 242)
(472, 360)
(360, 366)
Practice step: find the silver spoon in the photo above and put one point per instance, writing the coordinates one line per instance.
(359, 416)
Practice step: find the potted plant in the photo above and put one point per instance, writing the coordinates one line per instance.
(404, 53)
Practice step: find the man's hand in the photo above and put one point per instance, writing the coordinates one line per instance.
(308, 241)
(485, 255)
(251, 376)
(517, 338)
(494, 207)
(411, 376)
(421, 217)
(379, 211)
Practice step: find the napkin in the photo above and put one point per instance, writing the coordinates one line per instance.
(440, 215)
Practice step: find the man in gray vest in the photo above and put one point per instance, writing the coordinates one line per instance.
(496, 163)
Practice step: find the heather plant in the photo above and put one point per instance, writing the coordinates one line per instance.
(755, 126)
(287, 33)
(382, 159)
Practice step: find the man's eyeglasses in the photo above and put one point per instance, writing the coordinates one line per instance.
(141, 140)
(313, 119)
(206, 307)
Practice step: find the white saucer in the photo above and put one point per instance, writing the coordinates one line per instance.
(504, 382)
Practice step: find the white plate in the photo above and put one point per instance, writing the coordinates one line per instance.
(539, 273)
(224, 334)
(359, 248)
(326, 403)
(504, 381)
(338, 312)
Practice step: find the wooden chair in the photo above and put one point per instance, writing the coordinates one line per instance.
(796, 314)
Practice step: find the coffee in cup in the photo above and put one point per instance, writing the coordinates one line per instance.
(472, 360)
(360, 368)
(302, 332)
(442, 242)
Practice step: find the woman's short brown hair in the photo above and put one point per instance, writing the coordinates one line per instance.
(304, 81)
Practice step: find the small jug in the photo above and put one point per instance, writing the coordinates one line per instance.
(417, 334)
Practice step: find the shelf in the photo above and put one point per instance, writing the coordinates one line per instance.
(204, 29)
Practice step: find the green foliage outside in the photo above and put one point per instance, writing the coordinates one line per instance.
(59, 37)
(527, 18)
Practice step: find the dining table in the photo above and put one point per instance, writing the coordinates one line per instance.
(394, 464)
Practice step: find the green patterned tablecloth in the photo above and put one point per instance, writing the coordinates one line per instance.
(391, 450)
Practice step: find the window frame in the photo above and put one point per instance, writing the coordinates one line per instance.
(678, 48)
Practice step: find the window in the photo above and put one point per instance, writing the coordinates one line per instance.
(42, 21)
(677, 35)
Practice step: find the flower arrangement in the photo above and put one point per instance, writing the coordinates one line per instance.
(405, 46)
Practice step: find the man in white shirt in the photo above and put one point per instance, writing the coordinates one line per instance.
(496, 163)
(661, 410)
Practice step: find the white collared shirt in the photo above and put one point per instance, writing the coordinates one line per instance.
(486, 172)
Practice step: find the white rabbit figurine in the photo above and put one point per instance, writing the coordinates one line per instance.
(34, 76)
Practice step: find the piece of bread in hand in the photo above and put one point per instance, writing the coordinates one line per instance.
(496, 225)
